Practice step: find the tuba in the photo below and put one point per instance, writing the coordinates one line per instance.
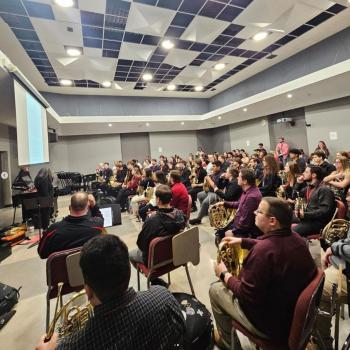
(219, 216)
(70, 318)
(231, 256)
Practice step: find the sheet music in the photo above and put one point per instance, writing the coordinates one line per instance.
(107, 216)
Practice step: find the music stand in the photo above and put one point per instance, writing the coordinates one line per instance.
(38, 203)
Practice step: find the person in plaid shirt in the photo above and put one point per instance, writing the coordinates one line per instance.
(123, 318)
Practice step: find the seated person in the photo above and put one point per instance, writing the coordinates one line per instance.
(210, 197)
(84, 222)
(270, 180)
(243, 224)
(185, 173)
(318, 158)
(123, 319)
(228, 188)
(277, 269)
(338, 253)
(320, 203)
(179, 192)
(165, 221)
(294, 155)
(197, 183)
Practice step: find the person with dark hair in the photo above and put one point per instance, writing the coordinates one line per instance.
(197, 182)
(295, 156)
(281, 151)
(185, 173)
(165, 221)
(322, 147)
(270, 180)
(44, 187)
(154, 165)
(318, 158)
(243, 224)
(208, 196)
(84, 222)
(122, 318)
(107, 172)
(320, 202)
(277, 269)
(179, 192)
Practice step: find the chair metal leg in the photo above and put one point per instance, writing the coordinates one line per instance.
(336, 325)
(346, 345)
(342, 311)
(189, 280)
(138, 280)
(169, 282)
(235, 343)
(148, 282)
(47, 313)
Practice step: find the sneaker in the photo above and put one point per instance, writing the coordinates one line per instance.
(159, 282)
(195, 221)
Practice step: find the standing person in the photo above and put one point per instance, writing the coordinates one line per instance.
(44, 187)
(281, 151)
(322, 147)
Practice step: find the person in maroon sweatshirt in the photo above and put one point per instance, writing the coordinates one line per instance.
(179, 191)
(276, 270)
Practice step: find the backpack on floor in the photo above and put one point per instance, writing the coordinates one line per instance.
(199, 325)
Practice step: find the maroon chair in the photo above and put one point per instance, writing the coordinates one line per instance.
(305, 313)
(56, 272)
(166, 254)
(188, 214)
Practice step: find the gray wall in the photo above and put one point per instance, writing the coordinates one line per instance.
(321, 55)
(134, 146)
(214, 139)
(333, 116)
(295, 136)
(249, 134)
(80, 105)
(170, 143)
(9, 165)
(204, 140)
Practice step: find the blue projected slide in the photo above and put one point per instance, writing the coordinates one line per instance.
(35, 130)
(32, 138)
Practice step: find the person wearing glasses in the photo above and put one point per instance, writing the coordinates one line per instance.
(263, 296)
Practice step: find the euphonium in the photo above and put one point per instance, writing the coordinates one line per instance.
(281, 191)
(73, 318)
(219, 216)
(230, 255)
(206, 186)
(299, 204)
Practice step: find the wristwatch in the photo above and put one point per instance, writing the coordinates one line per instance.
(222, 275)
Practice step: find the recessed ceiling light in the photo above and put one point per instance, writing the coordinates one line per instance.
(147, 124)
(66, 82)
(167, 44)
(110, 125)
(219, 117)
(219, 66)
(147, 77)
(182, 123)
(245, 109)
(106, 84)
(260, 36)
(171, 87)
(198, 88)
(64, 3)
(289, 95)
(73, 51)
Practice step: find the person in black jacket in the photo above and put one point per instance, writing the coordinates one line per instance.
(44, 187)
(197, 183)
(84, 222)
(320, 202)
(318, 159)
(166, 221)
(270, 180)
(227, 188)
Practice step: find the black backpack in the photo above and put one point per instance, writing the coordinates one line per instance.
(8, 298)
(199, 326)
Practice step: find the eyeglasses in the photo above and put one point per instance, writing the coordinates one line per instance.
(258, 211)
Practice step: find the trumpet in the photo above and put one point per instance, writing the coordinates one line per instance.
(72, 318)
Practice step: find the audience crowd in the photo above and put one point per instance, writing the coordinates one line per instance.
(282, 198)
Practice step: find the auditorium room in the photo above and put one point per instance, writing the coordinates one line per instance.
(174, 174)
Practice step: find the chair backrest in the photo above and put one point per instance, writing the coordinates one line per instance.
(160, 252)
(75, 275)
(186, 247)
(189, 207)
(341, 213)
(57, 270)
(305, 312)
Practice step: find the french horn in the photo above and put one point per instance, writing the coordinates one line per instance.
(219, 216)
(70, 318)
(231, 256)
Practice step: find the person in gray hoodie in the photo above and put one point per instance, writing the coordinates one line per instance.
(337, 254)
(165, 221)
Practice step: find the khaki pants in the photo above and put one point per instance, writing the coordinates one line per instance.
(324, 322)
(226, 308)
